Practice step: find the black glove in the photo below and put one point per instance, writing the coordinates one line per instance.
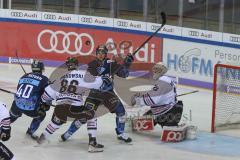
(42, 109)
(5, 134)
(128, 60)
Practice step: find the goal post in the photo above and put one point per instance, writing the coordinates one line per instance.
(226, 97)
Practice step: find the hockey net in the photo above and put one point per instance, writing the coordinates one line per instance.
(226, 98)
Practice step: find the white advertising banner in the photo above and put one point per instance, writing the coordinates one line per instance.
(3, 12)
(59, 17)
(127, 24)
(202, 34)
(167, 29)
(21, 14)
(231, 38)
(98, 21)
(195, 60)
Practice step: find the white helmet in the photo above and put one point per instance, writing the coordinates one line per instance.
(158, 70)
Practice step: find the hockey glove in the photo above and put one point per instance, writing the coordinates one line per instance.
(135, 99)
(42, 109)
(5, 134)
(128, 60)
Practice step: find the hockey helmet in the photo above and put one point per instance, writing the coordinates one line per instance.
(101, 49)
(71, 63)
(158, 70)
(37, 66)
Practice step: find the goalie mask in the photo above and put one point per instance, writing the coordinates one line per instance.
(159, 70)
(71, 63)
(37, 66)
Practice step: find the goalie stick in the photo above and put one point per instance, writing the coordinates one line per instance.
(183, 94)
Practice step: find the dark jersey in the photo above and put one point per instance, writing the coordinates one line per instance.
(107, 67)
(29, 90)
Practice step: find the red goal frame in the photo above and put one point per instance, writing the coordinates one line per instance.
(213, 129)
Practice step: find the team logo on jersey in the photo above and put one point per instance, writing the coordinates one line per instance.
(100, 70)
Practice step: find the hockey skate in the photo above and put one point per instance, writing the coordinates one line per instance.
(124, 138)
(42, 139)
(65, 136)
(94, 146)
(31, 135)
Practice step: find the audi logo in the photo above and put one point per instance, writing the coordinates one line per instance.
(17, 14)
(87, 20)
(65, 42)
(193, 33)
(122, 24)
(154, 27)
(235, 39)
(50, 16)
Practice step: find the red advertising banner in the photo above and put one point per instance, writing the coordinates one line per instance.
(56, 42)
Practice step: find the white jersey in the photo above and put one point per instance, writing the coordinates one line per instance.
(4, 117)
(72, 87)
(162, 97)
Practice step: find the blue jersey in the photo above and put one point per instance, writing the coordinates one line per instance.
(29, 90)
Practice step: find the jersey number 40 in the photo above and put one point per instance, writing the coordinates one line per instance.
(24, 91)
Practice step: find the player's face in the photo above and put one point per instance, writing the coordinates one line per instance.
(101, 56)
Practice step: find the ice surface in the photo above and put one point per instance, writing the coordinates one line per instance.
(145, 145)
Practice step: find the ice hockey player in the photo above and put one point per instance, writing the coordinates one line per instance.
(165, 109)
(69, 98)
(102, 66)
(27, 99)
(5, 133)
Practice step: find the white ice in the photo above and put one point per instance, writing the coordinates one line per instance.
(145, 145)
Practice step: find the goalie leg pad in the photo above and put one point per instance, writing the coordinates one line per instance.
(172, 117)
(144, 123)
(174, 133)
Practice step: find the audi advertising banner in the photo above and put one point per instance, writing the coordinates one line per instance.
(56, 42)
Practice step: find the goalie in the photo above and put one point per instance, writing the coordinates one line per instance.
(165, 109)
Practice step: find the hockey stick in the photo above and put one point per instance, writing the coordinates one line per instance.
(188, 93)
(164, 20)
(20, 63)
(4, 90)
